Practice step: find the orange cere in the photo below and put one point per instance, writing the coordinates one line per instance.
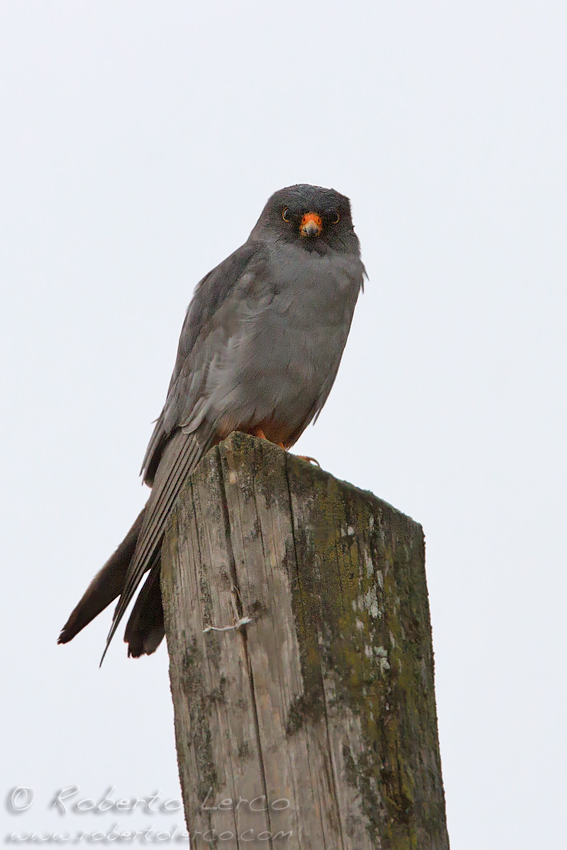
(311, 222)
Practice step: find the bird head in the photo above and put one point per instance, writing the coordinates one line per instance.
(317, 219)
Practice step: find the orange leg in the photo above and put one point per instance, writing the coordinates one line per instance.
(259, 433)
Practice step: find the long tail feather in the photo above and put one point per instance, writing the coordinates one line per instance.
(105, 586)
(180, 457)
(145, 629)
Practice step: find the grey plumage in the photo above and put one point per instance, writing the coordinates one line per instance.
(259, 350)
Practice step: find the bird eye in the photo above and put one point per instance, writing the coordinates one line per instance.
(336, 218)
(286, 215)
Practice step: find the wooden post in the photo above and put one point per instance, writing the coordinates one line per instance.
(313, 725)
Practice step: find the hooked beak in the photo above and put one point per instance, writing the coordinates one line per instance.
(311, 225)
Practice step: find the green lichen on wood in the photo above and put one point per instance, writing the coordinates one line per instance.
(362, 617)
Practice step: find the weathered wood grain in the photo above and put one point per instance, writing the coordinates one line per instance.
(313, 726)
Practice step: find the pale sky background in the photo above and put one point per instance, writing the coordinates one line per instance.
(138, 144)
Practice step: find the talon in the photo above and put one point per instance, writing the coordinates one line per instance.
(309, 460)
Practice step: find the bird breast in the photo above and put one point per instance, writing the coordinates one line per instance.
(293, 324)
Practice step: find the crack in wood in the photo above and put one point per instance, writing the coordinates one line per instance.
(244, 637)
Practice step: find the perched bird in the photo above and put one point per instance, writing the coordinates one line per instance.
(259, 352)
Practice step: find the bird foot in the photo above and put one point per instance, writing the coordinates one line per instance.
(312, 460)
(259, 433)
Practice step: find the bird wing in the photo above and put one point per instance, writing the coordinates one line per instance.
(200, 336)
(183, 433)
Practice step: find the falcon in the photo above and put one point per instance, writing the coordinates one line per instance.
(259, 351)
